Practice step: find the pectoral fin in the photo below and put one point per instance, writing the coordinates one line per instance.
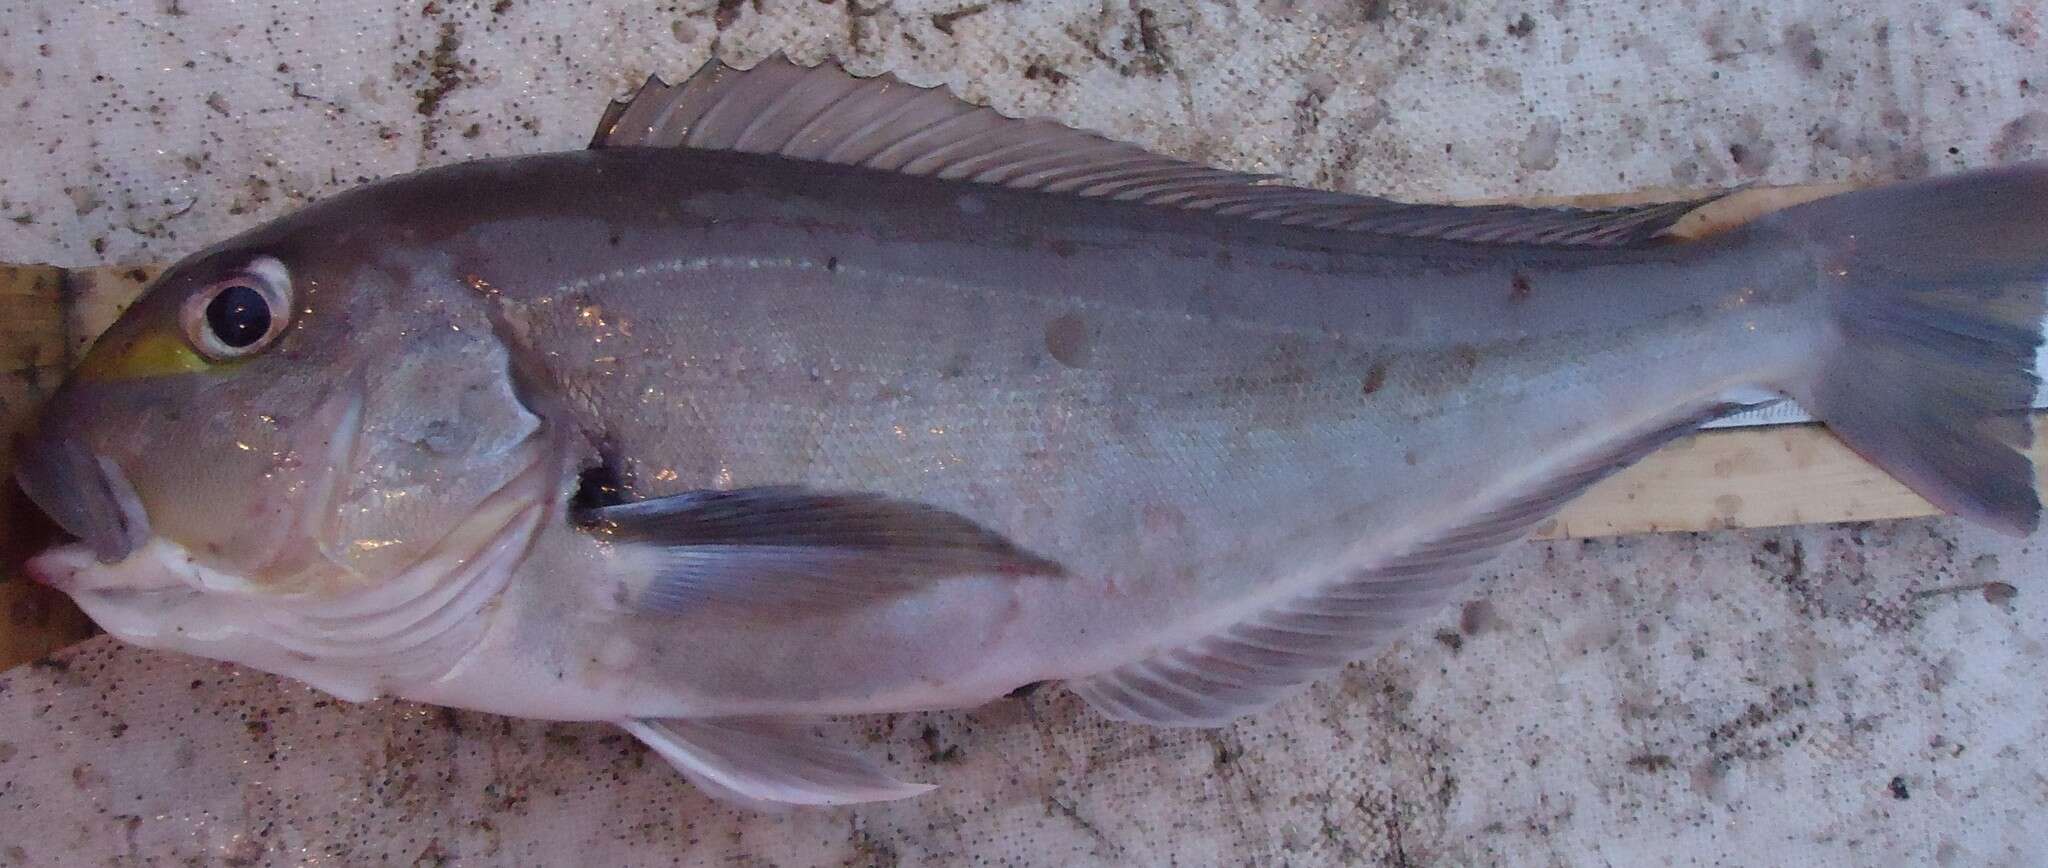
(791, 546)
(764, 763)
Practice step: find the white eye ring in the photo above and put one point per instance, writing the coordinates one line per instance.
(239, 315)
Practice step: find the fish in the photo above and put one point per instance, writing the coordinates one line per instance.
(800, 394)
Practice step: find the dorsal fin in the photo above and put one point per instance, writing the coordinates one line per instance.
(825, 114)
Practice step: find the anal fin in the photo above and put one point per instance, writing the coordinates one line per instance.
(763, 763)
(1261, 659)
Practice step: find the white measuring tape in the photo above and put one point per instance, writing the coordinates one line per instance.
(1789, 413)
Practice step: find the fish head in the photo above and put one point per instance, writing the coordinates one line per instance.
(275, 428)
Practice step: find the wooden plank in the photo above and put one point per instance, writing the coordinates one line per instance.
(94, 297)
(47, 319)
(1748, 477)
(1719, 215)
(34, 620)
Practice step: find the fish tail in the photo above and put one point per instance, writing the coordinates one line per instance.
(1935, 293)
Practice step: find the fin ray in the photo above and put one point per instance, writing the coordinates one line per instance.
(1302, 638)
(791, 546)
(1936, 292)
(825, 114)
(765, 763)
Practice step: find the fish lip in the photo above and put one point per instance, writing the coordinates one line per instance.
(62, 566)
(74, 569)
(86, 494)
(57, 566)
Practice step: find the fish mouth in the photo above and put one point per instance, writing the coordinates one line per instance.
(87, 495)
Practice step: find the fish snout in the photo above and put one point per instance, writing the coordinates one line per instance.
(62, 567)
(86, 494)
(157, 568)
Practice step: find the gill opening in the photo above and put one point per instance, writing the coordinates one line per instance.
(432, 595)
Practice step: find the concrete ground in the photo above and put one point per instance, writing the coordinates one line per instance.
(1829, 695)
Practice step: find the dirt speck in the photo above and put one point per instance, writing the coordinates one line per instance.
(249, 851)
(1151, 40)
(1539, 147)
(1762, 730)
(1522, 27)
(1720, 46)
(1947, 853)
(728, 12)
(2022, 137)
(934, 751)
(870, 850)
(1750, 149)
(1375, 379)
(1898, 788)
(944, 21)
(1650, 763)
(1227, 749)
(1042, 71)
(85, 777)
(1504, 81)
(1787, 563)
(1066, 338)
(1801, 45)
(445, 71)
(1478, 617)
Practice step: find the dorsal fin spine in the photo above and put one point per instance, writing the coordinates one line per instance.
(940, 162)
(906, 143)
(707, 123)
(804, 131)
(1026, 175)
(762, 117)
(881, 123)
(999, 160)
(835, 155)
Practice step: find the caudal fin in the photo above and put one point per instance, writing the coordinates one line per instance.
(1936, 291)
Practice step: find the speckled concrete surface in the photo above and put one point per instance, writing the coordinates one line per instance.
(145, 130)
(1821, 696)
(1846, 696)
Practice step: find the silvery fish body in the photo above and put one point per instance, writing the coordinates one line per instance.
(803, 394)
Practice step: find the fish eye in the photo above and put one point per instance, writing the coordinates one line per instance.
(241, 314)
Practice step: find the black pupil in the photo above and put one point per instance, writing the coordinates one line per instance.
(239, 316)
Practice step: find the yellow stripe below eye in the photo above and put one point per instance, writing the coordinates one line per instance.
(151, 354)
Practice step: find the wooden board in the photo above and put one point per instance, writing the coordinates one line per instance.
(1746, 477)
(34, 620)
